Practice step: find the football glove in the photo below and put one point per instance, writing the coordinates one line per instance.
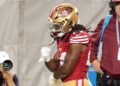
(45, 54)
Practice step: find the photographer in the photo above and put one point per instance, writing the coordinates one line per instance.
(6, 76)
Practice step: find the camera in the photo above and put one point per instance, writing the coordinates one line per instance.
(6, 65)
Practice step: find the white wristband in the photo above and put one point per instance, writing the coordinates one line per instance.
(45, 59)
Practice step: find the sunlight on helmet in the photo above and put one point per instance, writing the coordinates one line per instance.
(62, 18)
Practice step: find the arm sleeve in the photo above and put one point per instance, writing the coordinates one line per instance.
(95, 40)
(80, 37)
(16, 81)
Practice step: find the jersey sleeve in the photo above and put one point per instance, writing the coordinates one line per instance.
(80, 37)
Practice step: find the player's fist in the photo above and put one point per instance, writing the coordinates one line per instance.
(45, 54)
(45, 51)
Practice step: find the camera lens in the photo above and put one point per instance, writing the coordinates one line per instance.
(7, 65)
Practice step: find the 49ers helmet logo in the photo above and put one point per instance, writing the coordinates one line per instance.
(64, 12)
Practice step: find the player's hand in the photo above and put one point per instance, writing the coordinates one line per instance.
(53, 81)
(45, 54)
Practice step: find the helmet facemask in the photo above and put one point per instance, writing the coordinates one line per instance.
(56, 29)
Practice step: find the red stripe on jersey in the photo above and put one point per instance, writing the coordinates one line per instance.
(80, 37)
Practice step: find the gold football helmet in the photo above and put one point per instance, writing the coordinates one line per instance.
(62, 18)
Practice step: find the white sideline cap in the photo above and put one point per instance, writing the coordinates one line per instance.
(3, 56)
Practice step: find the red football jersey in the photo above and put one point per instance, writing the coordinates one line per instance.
(81, 67)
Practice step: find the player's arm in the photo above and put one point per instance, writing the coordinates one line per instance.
(71, 59)
(53, 64)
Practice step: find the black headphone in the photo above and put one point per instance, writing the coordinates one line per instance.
(112, 6)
